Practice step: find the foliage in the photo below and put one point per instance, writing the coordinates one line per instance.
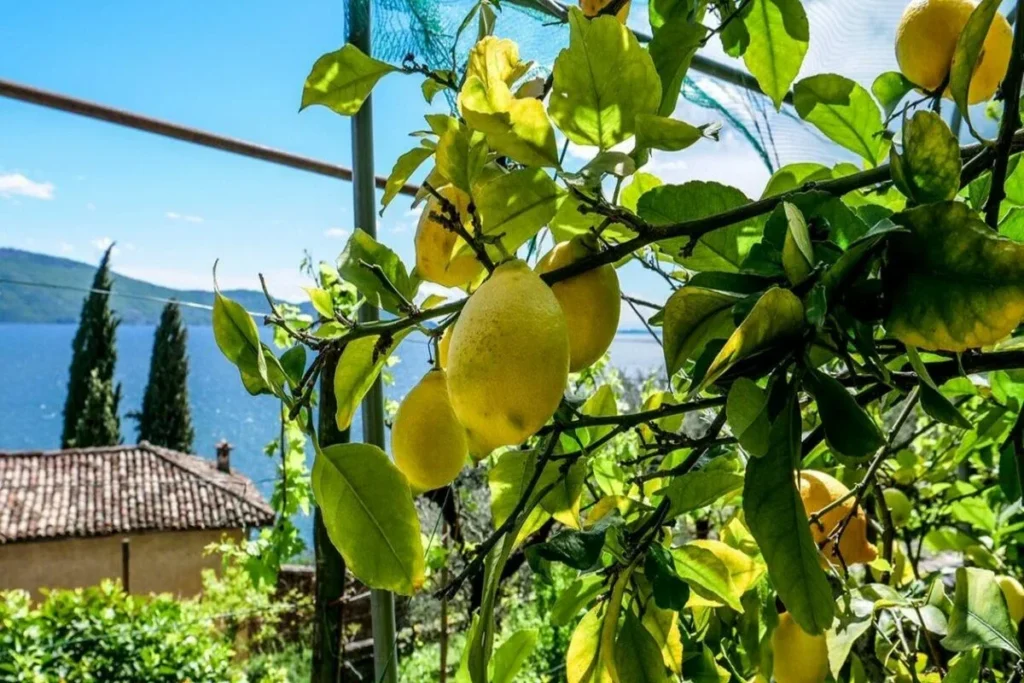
(165, 418)
(93, 356)
(858, 323)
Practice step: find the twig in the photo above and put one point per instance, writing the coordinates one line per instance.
(650, 330)
(633, 419)
(1007, 127)
(725, 22)
(404, 304)
(701, 446)
(451, 220)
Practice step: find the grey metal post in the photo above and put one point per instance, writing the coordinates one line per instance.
(382, 603)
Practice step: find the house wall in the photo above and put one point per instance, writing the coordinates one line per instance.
(159, 562)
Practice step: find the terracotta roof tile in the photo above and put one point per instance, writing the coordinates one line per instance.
(117, 489)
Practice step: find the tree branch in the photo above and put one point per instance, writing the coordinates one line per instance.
(1009, 124)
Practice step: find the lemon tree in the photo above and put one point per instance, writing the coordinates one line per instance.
(829, 485)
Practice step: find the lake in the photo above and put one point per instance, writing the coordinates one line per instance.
(34, 363)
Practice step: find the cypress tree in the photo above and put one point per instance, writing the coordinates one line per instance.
(166, 419)
(93, 349)
(98, 422)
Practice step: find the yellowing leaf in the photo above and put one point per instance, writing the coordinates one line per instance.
(954, 284)
(342, 80)
(601, 82)
(744, 571)
(663, 625)
(694, 316)
(370, 517)
(776, 318)
(706, 574)
(929, 168)
(584, 662)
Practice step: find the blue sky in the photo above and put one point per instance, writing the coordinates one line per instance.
(69, 185)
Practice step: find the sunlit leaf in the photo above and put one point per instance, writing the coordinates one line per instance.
(743, 570)
(693, 316)
(696, 490)
(513, 653)
(237, 337)
(342, 80)
(844, 111)
(779, 36)
(507, 481)
(797, 252)
(793, 176)
(516, 206)
(639, 185)
(889, 89)
(965, 667)
(402, 171)
(461, 155)
(660, 132)
(575, 597)
(979, 617)
(322, 301)
(358, 367)
(928, 170)
(368, 511)
(663, 625)
(584, 660)
(357, 265)
(707, 574)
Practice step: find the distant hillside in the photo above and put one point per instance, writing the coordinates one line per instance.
(22, 304)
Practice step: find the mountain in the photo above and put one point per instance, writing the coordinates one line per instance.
(132, 299)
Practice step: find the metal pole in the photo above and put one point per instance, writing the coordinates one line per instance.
(126, 550)
(328, 647)
(382, 603)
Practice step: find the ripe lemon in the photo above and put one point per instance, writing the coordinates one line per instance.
(508, 359)
(434, 243)
(592, 7)
(799, 657)
(817, 490)
(926, 39)
(1014, 594)
(590, 301)
(442, 347)
(429, 444)
(899, 506)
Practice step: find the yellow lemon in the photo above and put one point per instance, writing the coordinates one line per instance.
(799, 657)
(435, 242)
(1014, 594)
(508, 359)
(592, 7)
(899, 506)
(590, 301)
(926, 39)
(818, 490)
(442, 346)
(429, 444)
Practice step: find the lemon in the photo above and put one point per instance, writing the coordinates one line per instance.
(429, 444)
(435, 242)
(799, 657)
(899, 506)
(1014, 594)
(592, 7)
(590, 301)
(508, 359)
(817, 490)
(926, 39)
(442, 347)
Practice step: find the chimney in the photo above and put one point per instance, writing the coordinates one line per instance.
(224, 456)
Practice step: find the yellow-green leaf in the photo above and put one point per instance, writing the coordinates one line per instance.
(358, 366)
(637, 655)
(844, 111)
(969, 47)
(954, 284)
(979, 617)
(797, 252)
(342, 80)
(238, 339)
(746, 411)
(507, 482)
(601, 82)
(706, 574)
(743, 570)
(584, 660)
(776, 318)
(672, 50)
(516, 206)
(370, 517)
(661, 132)
(694, 316)
(779, 35)
(696, 490)
(929, 168)
(663, 625)
(402, 171)
(889, 88)
(461, 155)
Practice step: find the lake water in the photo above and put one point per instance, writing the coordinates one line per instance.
(34, 363)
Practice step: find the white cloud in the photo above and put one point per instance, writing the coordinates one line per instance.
(174, 216)
(336, 233)
(17, 185)
(104, 243)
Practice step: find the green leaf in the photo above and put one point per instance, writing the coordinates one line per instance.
(638, 187)
(637, 655)
(889, 89)
(293, 364)
(513, 653)
(601, 82)
(670, 591)
(430, 88)
(696, 490)
(953, 283)
(358, 367)
(663, 625)
(841, 638)
(779, 36)
(461, 155)
(601, 403)
(857, 254)
(361, 255)
(672, 51)
(777, 520)
(402, 171)
(563, 501)
(979, 617)
(507, 482)
(933, 402)
(706, 574)
(516, 206)
(692, 317)
(965, 667)
(322, 301)
(793, 176)
(849, 430)
(660, 132)
(776, 318)
(584, 658)
(574, 598)
(797, 252)
(342, 80)
(236, 335)
(723, 249)
(844, 111)
(929, 168)
(746, 411)
(577, 549)
(969, 47)
(368, 511)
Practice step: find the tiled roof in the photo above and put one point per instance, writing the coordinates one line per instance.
(120, 489)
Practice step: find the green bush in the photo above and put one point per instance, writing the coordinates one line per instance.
(102, 634)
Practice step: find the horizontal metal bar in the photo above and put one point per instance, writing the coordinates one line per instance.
(93, 110)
